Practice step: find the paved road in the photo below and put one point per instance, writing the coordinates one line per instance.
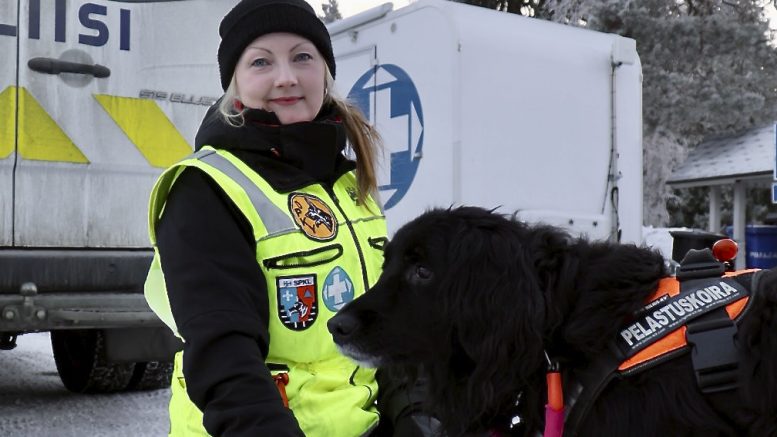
(33, 401)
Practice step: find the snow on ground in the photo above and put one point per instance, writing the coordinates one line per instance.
(33, 401)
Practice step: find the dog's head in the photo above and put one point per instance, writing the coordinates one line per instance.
(461, 296)
(450, 283)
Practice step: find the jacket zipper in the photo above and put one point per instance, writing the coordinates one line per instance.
(363, 264)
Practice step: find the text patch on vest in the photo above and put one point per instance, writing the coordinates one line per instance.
(669, 313)
(297, 301)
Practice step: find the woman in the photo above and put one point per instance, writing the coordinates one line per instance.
(263, 234)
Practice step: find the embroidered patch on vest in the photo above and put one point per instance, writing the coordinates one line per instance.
(337, 290)
(313, 216)
(669, 313)
(352, 194)
(297, 301)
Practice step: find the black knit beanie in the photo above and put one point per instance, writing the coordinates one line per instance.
(251, 19)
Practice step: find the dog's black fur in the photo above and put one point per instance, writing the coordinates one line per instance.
(473, 299)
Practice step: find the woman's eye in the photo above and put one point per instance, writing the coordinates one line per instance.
(422, 272)
(261, 62)
(302, 57)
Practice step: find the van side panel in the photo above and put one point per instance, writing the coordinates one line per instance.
(8, 32)
(85, 182)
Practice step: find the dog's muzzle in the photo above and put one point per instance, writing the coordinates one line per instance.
(343, 327)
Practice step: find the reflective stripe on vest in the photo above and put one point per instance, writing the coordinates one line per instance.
(274, 219)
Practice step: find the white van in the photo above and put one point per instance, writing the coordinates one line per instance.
(97, 97)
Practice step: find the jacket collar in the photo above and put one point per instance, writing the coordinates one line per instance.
(288, 156)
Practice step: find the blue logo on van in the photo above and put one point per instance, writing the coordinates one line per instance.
(387, 96)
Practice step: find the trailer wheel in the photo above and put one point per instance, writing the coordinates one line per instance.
(81, 363)
(151, 375)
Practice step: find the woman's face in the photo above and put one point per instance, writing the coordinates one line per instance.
(282, 73)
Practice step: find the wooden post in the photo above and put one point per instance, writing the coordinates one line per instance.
(740, 200)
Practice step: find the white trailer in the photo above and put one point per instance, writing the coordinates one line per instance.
(479, 107)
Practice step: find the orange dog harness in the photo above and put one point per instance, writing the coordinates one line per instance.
(666, 303)
(698, 310)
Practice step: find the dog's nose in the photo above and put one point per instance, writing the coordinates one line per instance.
(342, 326)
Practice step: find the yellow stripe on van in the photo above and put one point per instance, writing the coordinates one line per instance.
(7, 121)
(148, 128)
(40, 138)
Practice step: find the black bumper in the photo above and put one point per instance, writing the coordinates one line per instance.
(46, 289)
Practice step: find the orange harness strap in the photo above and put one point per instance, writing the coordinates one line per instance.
(676, 339)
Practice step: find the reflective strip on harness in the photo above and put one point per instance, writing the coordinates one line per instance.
(274, 219)
(669, 313)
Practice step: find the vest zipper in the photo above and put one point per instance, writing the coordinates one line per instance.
(363, 264)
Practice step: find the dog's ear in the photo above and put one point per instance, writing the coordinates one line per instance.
(612, 282)
(495, 306)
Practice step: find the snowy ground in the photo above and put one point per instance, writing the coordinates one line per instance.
(33, 401)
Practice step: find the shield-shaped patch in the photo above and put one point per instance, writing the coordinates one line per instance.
(297, 301)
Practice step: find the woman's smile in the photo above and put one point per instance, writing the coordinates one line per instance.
(286, 101)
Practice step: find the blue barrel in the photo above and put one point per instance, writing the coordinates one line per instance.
(761, 246)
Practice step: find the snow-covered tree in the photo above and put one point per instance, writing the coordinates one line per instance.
(529, 8)
(331, 11)
(709, 67)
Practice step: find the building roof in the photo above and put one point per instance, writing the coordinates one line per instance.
(723, 159)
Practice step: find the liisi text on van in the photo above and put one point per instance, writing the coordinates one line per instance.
(91, 16)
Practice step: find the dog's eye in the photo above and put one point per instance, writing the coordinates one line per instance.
(422, 272)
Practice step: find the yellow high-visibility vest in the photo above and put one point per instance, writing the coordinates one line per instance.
(318, 249)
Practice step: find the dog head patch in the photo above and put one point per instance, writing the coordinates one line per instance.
(337, 290)
(297, 301)
(313, 216)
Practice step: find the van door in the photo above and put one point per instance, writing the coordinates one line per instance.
(8, 35)
(110, 93)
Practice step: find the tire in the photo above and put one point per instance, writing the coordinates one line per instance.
(152, 375)
(81, 363)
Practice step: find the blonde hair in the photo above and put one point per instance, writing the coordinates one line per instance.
(363, 139)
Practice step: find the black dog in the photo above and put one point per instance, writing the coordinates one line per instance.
(476, 300)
